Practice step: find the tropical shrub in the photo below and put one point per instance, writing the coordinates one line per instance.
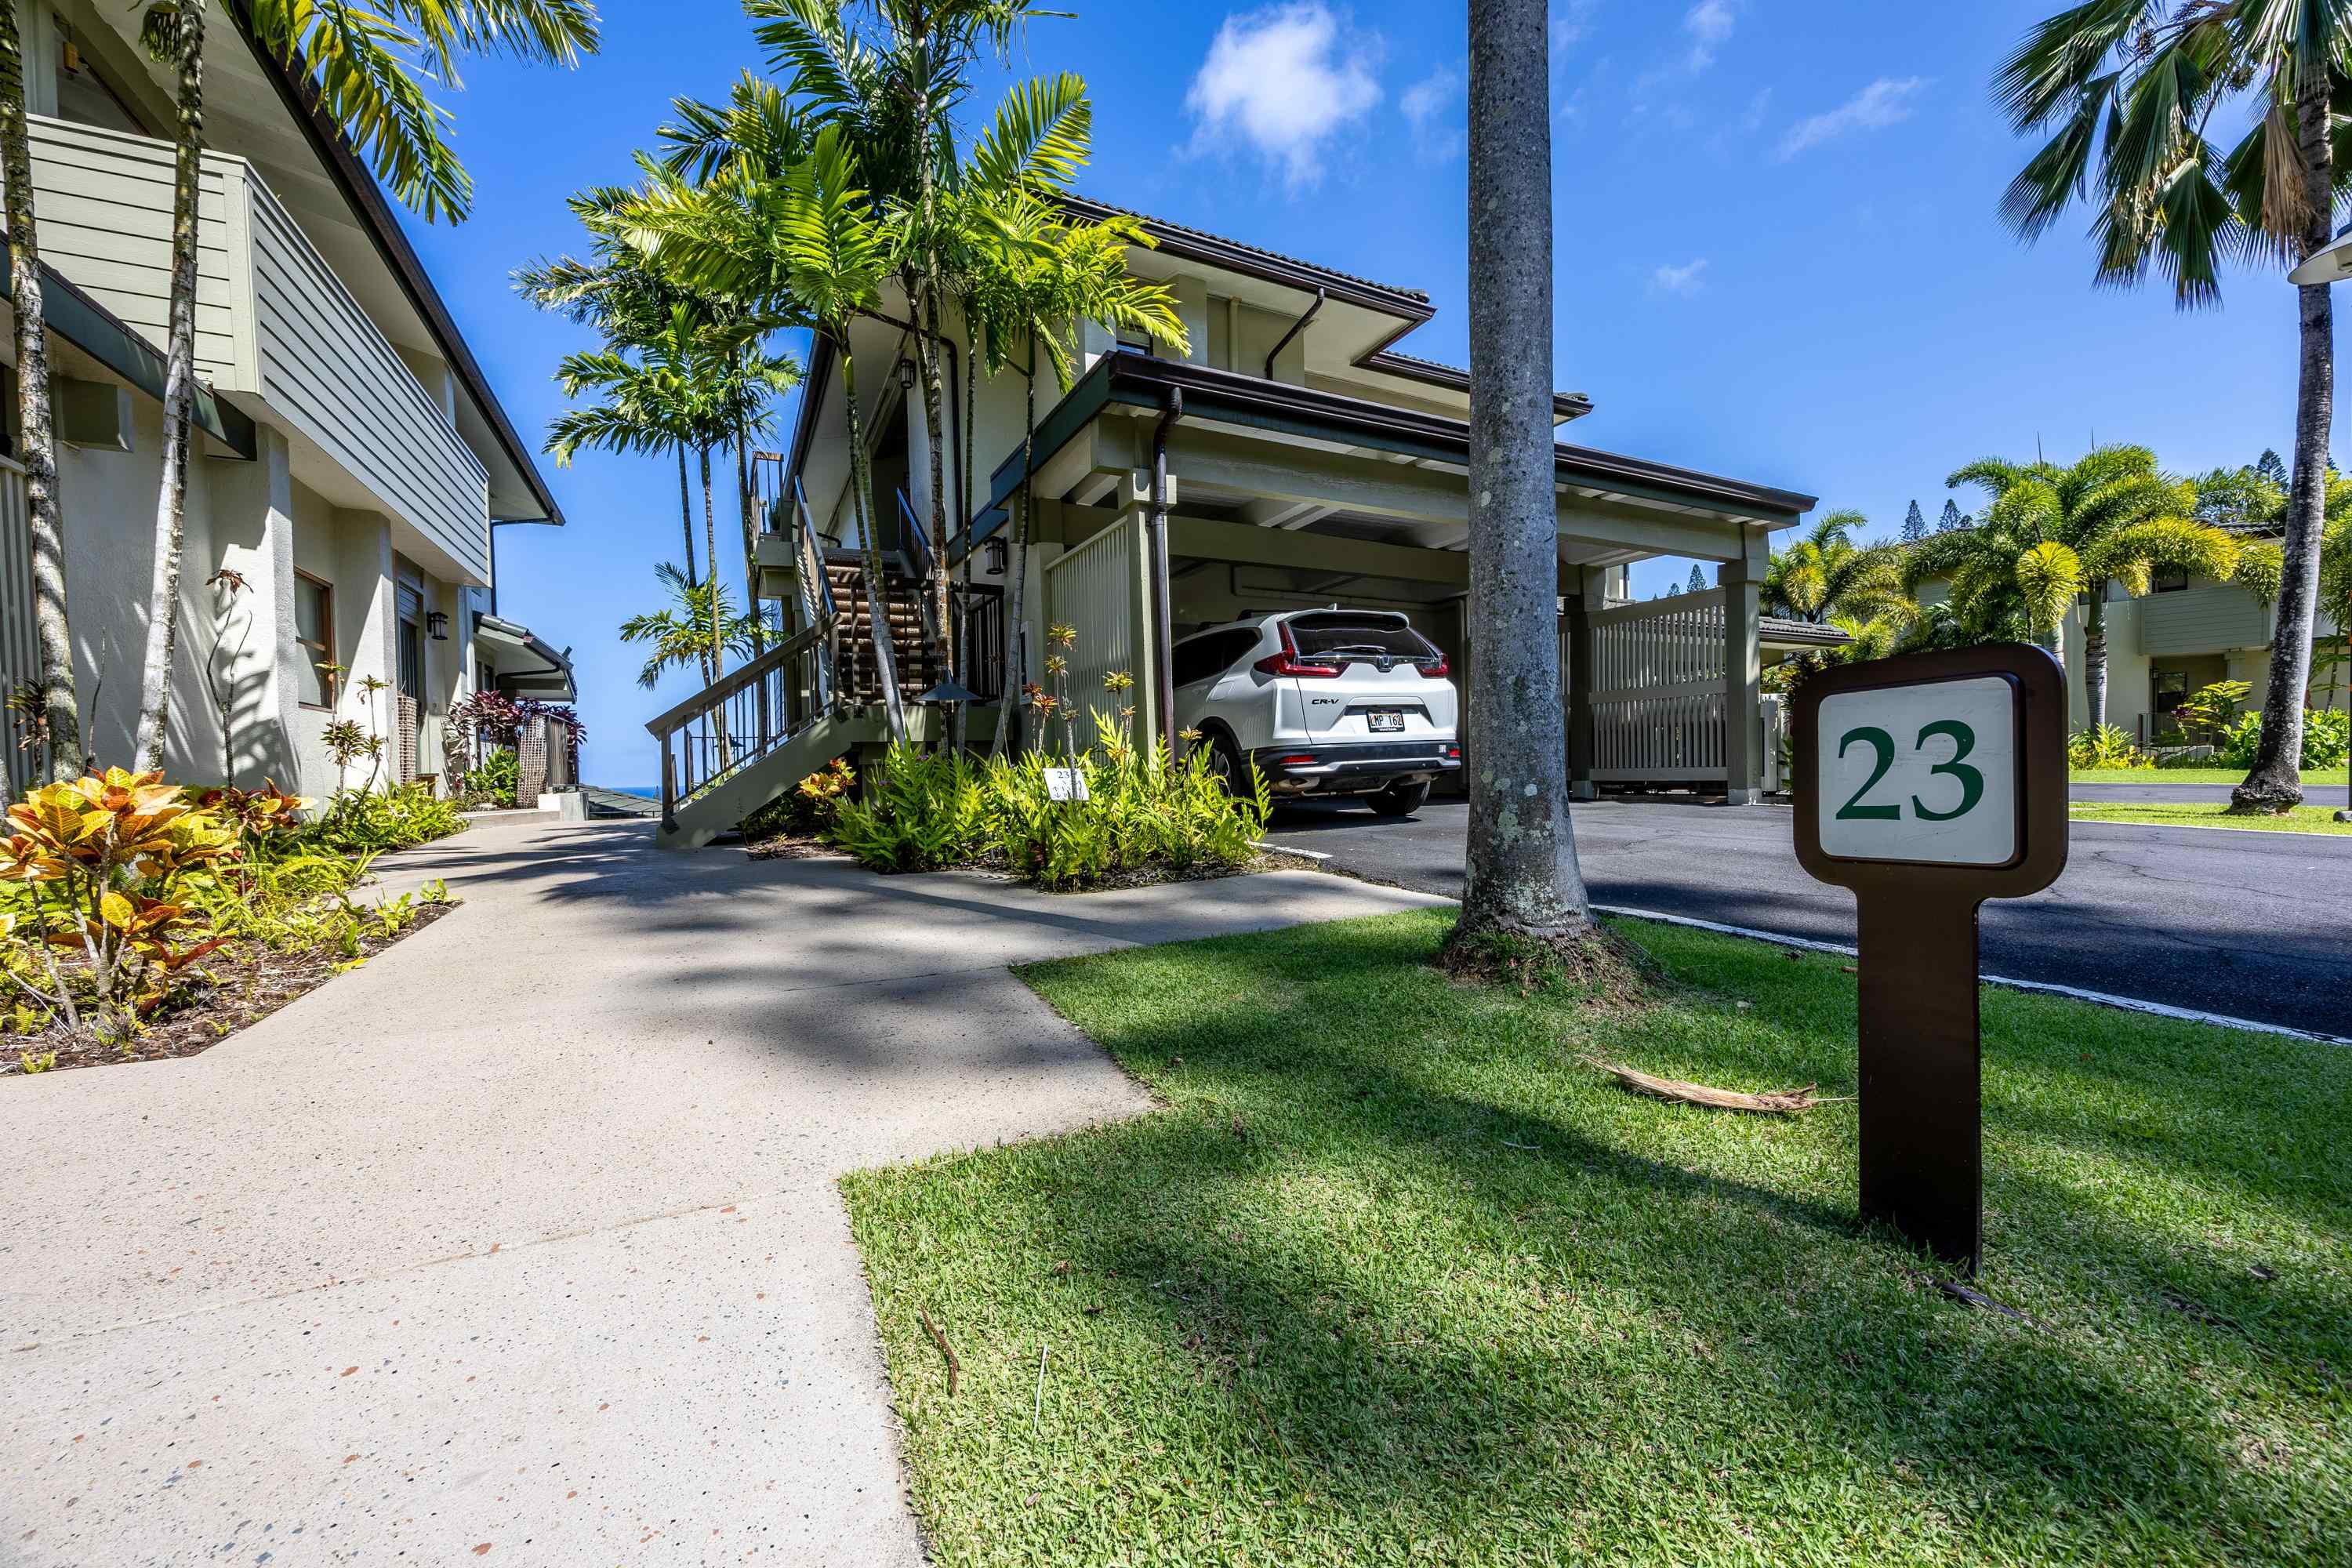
(805, 810)
(369, 822)
(2326, 739)
(2105, 746)
(1135, 811)
(919, 812)
(101, 865)
(2211, 711)
(496, 777)
(1140, 810)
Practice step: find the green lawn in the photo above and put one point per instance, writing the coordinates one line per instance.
(2208, 813)
(1393, 1279)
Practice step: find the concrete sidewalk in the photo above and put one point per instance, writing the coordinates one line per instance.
(522, 1241)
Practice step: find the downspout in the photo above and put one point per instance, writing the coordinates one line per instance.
(1163, 624)
(1296, 327)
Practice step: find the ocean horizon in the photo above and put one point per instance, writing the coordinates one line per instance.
(643, 791)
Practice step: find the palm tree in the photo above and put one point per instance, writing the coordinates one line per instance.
(362, 63)
(1029, 278)
(690, 386)
(2261, 566)
(60, 713)
(806, 244)
(2055, 534)
(1523, 877)
(1826, 575)
(699, 626)
(2129, 90)
(894, 96)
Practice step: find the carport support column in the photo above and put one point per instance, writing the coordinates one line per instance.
(1151, 642)
(1587, 593)
(1743, 669)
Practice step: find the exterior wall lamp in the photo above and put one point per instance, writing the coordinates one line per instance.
(437, 626)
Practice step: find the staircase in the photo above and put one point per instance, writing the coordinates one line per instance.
(744, 740)
(905, 612)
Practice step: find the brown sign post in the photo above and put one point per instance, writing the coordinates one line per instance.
(1928, 783)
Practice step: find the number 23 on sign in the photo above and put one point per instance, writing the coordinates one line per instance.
(1923, 773)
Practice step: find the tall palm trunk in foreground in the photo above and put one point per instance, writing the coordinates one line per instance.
(1523, 876)
(174, 33)
(2274, 782)
(59, 711)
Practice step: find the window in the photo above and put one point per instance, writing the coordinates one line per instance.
(2171, 581)
(1210, 654)
(1344, 633)
(314, 635)
(84, 95)
(2171, 690)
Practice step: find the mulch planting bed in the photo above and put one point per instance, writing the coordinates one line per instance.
(251, 982)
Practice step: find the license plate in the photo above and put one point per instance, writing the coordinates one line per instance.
(1386, 720)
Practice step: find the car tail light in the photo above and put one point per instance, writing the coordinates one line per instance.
(1455, 753)
(1288, 662)
(1304, 759)
(1437, 671)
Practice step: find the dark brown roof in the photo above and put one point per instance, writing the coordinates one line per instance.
(1178, 239)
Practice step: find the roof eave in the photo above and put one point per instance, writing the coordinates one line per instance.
(301, 101)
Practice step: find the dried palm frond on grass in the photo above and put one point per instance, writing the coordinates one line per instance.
(1785, 1104)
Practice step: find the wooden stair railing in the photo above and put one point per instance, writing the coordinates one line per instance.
(743, 716)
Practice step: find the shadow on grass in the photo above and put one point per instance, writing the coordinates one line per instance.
(1391, 1267)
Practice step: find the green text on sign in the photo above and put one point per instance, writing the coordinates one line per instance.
(1925, 772)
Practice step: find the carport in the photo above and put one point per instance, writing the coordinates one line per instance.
(1281, 496)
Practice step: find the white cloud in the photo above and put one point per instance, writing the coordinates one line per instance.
(1683, 279)
(1882, 103)
(1709, 25)
(1571, 20)
(1284, 80)
(1431, 104)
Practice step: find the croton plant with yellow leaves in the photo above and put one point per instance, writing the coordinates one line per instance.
(103, 859)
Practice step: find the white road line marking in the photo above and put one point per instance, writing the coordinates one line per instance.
(2103, 998)
(2129, 1004)
(2195, 826)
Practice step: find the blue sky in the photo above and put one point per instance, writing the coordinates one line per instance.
(1778, 254)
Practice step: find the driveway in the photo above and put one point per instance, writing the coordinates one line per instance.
(2241, 922)
(521, 1242)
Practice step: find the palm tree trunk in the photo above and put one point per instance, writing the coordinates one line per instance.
(926, 368)
(1017, 636)
(2094, 652)
(60, 712)
(685, 515)
(745, 503)
(2275, 783)
(718, 665)
(878, 622)
(179, 400)
(963, 512)
(1523, 877)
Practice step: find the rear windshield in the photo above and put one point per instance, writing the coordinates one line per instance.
(1366, 635)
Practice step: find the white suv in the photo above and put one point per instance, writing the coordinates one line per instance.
(1325, 703)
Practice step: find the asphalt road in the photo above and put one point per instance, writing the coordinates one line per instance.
(2245, 923)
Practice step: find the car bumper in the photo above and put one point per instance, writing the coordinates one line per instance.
(1350, 767)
